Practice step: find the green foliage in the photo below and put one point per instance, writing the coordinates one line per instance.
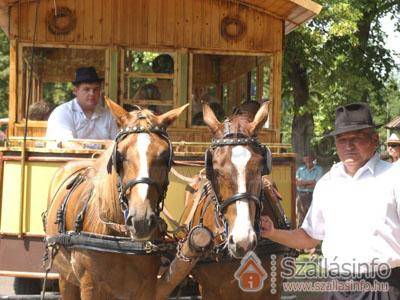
(57, 93)
(343, 56)
(4, 74)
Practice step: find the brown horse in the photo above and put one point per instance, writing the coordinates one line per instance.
(118, 194)
(228, 203)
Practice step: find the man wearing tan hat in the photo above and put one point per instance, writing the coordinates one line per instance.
(393, 147)
(355, 212)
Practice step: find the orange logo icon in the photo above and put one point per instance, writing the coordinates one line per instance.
(251, 274)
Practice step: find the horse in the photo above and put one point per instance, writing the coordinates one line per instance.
(113, 200)
(227, 205)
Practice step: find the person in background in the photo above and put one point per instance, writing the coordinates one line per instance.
(393, 148)
(39, 111)
(83, 117)
(355, 212)
(307, 176)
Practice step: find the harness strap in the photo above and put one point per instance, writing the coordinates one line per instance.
(196, 202)
(106, 243)
(61, 213)
(238, 197)
(81, 216)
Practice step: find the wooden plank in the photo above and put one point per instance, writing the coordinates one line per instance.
(14, 14)
(206, 23)
(80, 21)
(168, 26)
(97, 22)
(179, 23)
(215, 23)
(197, 25)
(106, 35)
(88, 22)
(13, 87)
(145, 23)
(42, 26)
(188, 23)
(152, 22)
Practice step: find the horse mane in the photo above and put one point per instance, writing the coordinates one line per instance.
(239, 123)
(106, 202)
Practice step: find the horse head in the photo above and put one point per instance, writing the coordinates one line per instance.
(141, 160)
(235, 163)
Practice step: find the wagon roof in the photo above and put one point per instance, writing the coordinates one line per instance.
(294, 12)
(395, 124)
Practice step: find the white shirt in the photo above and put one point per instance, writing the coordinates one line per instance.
(68, 121)
(358, 218)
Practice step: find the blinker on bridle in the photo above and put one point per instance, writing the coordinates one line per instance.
(116, 162)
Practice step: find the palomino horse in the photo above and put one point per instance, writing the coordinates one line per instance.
(228, 204)
(119, 194)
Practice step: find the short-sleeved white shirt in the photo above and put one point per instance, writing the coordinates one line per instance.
(68, 121)
(358, 218)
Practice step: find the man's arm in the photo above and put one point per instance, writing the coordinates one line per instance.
(60, 125)
(297, 239)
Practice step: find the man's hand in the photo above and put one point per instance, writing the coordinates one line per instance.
(267, 227)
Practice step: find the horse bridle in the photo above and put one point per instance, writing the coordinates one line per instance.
(236, 139)
(116, 161)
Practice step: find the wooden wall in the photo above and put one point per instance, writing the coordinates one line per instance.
(150, 23)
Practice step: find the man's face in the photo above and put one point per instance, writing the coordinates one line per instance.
(308, 161)
(355, 148)
(394, 150)
(88, 95)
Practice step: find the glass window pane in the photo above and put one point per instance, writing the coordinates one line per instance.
(150, 89)
(149, 62)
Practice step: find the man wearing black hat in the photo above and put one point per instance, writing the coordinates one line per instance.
(355, 211)
(83, 117)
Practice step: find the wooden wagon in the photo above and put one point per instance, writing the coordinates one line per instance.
(225, 51)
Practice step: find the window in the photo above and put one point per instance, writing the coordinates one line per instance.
(148, 80)
(227, 82)
(52, 73)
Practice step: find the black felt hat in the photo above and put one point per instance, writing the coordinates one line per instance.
(87, 75)
(352, 117)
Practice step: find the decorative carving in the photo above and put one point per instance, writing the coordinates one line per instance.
(61, 21)
(232, 28)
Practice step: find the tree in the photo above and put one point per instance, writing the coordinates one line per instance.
(339, 57)
(4, 73)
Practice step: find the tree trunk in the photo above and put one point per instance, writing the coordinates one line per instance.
(303, 123)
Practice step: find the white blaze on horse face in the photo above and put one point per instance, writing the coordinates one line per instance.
(242, 229)
(143, 142)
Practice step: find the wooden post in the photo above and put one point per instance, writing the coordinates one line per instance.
(181, 92)
(13, 87)
(111, 73)
(176, 272)
(275, 83)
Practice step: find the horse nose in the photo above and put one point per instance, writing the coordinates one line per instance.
(240, 248)
(141, 227)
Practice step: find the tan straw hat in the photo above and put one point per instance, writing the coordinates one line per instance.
(393, 139)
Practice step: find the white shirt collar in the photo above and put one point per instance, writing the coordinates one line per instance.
(370, 166)
(99, 110)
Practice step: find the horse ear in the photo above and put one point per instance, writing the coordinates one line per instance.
(210, 119)
(169, 117)
(118, 112)
(260, 118)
